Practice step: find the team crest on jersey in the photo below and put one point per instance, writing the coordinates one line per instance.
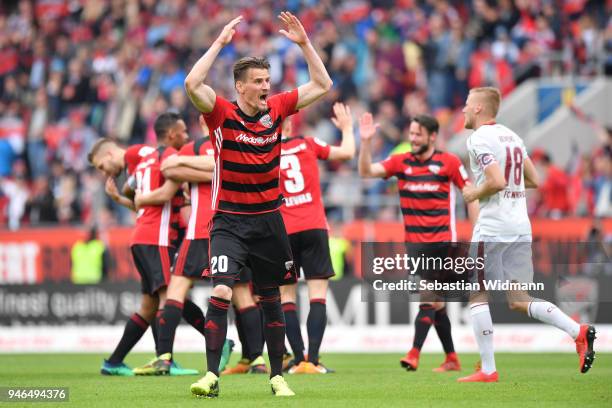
(434, 168)
(266, 120)
(408, 170)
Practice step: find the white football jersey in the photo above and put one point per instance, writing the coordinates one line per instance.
(504, 213)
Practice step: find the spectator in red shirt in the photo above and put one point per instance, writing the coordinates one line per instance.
(554, 199)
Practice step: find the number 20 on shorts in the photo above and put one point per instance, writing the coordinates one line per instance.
(218, 264)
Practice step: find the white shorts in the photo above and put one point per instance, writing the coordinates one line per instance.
(506, 258)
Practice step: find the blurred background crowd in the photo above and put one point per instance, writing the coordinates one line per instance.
(72, 71)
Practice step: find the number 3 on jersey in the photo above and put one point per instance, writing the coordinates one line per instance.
(295, 180)
(514, 159)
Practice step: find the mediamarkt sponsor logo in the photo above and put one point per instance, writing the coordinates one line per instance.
(422, 187)
(257, 140)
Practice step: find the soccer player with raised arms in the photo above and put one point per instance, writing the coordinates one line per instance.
(502, 169)
(247, 227)
(425, 177)
(192, 259)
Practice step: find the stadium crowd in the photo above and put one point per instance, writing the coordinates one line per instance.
(73, 71)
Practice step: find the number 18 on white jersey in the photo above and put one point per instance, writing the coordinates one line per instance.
(504, 213)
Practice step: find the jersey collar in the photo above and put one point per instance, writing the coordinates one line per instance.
(251, 119)
(427, 159)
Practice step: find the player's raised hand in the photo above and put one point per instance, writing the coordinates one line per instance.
(342, 118)
(367, 127)
(293, 28)
(228, 31)
(111, 189)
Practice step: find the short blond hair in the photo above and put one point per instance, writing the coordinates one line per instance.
(95, 149)
(491, 97)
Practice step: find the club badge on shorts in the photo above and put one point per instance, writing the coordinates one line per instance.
(290, 275)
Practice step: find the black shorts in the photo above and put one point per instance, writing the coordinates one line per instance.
(153, 264)
(258, 241)
(192, 259)
(245, 275)
(310, 251)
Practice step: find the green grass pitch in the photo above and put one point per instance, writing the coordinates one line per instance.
(362, 380)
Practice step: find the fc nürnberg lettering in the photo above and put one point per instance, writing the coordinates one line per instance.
(257, 140)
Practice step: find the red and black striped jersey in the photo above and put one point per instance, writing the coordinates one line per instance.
(427, 198)
(153, 225)
(201, 211)
(247, 154)
(303, 207)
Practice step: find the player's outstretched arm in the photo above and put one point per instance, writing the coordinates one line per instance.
(202, 163)
(202, 95)
(343, 120)
(494, 183)
(320, 82)
(531, 174)
(113, 192)
(367, 129)
(185, 172)
(158, 196)
(188, 174)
